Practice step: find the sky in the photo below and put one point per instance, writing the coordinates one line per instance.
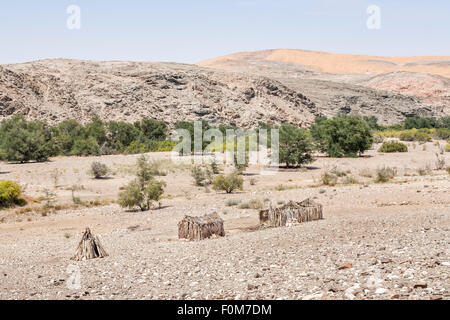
(189, 31)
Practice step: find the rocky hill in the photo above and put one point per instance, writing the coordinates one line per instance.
(241, 89)
(390, 88)
(59, 89)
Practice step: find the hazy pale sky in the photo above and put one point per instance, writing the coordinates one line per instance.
(194, 30)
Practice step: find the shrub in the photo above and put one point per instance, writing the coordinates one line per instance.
(329, 179)
(393, 146)
(254, 204)
(228, 183)
(99, 170)
(385, 174)
(415, 135)
(378, 138)
(351, 180)
(424, 171)
(441, 133)
(296, 146)
(342, 136)
(447, 148)
(214, 167)
(202, 175)
(144, 171)
(142, 191)
(10, 193)
(232, 203)
(440, 163)
(136, 195)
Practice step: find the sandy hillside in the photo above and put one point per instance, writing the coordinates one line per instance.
(344, 63)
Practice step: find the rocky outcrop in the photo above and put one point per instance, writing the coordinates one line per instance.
(55, 90)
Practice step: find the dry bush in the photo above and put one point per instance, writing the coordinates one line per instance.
(366, 173)
(254, 204)
(232, 202)
(202, 175)
(329, 179)
(385, 174)
(424, 171)
(440, 163)
(350, 180)
(99, 170)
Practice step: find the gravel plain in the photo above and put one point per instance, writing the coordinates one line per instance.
(377, 241)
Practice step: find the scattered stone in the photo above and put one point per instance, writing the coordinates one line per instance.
(422, 285)
(346, 265)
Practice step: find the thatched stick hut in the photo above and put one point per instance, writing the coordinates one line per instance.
(292, 213)
(89, 248)
(200, 228)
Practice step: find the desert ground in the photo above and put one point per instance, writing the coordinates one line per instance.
(377, 241)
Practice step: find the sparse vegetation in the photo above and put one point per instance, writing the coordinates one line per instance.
(385, 174)
(232, 202)
(329, 179)
(202, 175)
(49, 197)
(254, 204)
(424, 171)
(440, 163)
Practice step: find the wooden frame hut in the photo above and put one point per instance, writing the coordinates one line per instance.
(200, 228)
(292, 213)
(89, 248)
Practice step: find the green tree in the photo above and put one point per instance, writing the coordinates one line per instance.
(342, 136)
(23, 141)
(85, 147)
(296, 146)
(121, 135)
(145, 189)
(96, 129)
(417, 122)
(65, 135)
(372, 121)
(152, 130)
(444, 122)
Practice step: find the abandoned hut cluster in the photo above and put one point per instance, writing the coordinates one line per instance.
(211, 225)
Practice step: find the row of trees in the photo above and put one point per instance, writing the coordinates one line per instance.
(341, 136)
(22, 140)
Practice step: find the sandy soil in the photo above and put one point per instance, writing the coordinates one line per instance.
(377, 241)
(344, 63)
